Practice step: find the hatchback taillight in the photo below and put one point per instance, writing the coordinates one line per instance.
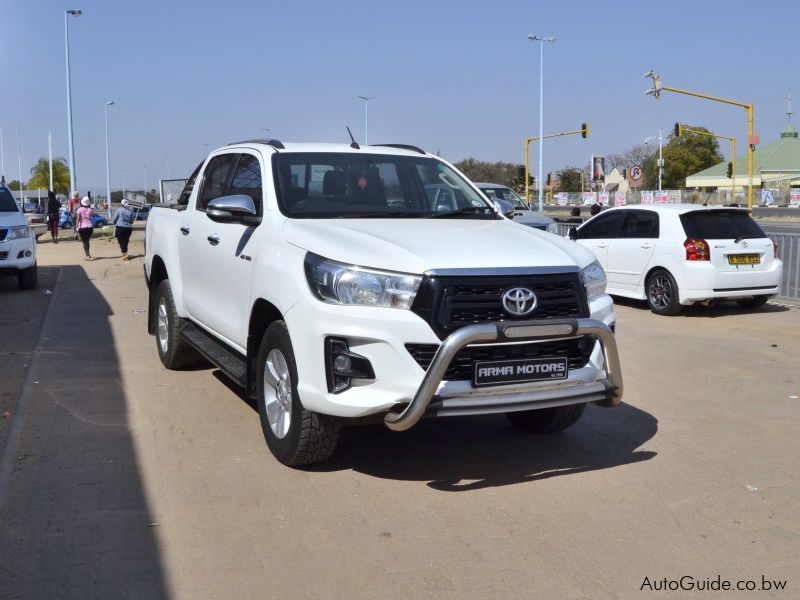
(775, 250)
(697, 249)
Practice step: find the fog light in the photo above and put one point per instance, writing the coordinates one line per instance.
(27, 253)
(341, 365)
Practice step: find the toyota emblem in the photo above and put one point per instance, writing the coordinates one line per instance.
(519, 301)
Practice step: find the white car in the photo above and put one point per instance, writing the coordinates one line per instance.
(17, 242)
(674, 255)
(325, 281)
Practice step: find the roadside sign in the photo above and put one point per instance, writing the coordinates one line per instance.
(620, 199)
(647, 197)
(794, 197)
(136, 201)
(661, 197)
(603, 197)
(588, 197)
(561, 198)
(635, 174)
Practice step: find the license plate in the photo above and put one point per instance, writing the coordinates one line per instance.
(744, 259)
(500, 372)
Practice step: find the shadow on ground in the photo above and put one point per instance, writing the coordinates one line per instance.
(75, 519)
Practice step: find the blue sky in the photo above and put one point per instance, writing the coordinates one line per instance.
(456, 77)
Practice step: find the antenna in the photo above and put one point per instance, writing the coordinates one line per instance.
(353, 143)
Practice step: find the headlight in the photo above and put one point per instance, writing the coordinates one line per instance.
(594, 280)
(21, 231)
(338, 283)
(553, 227)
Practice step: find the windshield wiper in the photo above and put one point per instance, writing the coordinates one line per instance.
(470, 210)
(380, 215)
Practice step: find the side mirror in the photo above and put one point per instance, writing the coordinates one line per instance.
(238, 208)
(504, 208)
(573, 233)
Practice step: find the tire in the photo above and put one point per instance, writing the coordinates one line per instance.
(662, 293)
(754, 302)
(294, 435)
(173, 351)
(547, 420)
(27, 279)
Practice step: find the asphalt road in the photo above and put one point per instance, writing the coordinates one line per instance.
(122, 479)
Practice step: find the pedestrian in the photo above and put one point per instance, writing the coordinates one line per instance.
(123, 219)
(83, 223)
(53, 214)
(596, 207)
(575, 215)
(74, 204)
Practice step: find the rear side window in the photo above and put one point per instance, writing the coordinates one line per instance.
(247, 179)
(215, 179)
(603, 227)
(7, 202)
(639, 224)
(720, 225)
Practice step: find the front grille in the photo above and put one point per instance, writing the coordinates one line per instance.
(448, 303)
(577, 351)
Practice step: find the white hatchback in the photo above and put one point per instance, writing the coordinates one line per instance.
(677, 254)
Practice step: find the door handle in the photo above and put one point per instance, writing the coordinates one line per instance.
(602, 245)
(213, 239)
(185, 230)
(646, 246)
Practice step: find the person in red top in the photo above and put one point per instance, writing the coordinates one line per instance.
(74, 203)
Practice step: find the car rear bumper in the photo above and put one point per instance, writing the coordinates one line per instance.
(705, 282)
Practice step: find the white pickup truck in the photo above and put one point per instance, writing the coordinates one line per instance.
(323, 280)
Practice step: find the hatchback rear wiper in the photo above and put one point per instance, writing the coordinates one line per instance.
(748, 237)
(470, 210)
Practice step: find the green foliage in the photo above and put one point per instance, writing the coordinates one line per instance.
(683, 156)
(40, 175)
(498, 172)
(569, 179)
(14, 185)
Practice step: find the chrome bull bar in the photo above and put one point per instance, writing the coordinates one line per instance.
(519, 331)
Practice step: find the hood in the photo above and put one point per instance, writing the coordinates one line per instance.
(12, 219)
(419, 245)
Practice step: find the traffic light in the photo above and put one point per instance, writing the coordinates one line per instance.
(548, 179)
(521, 172)
(584, 130)
(730, 170)
(677, 130)
(624, 173)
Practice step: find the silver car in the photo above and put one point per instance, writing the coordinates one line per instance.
(522, 212)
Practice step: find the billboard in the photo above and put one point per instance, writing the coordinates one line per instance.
(588, 197)
(603, 197)
(598, 168)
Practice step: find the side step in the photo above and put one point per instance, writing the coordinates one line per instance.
(230, 362)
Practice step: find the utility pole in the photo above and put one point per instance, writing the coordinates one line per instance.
(366, 100)
(50, 157)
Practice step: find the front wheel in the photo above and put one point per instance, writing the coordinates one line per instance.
(547, 420)
(754, 302)
(662, 293)
(27, 279)
(295, 436)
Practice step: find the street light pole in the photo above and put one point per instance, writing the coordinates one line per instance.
(541, 41)
(108, 164)
(145, 183)
(660, 139)
(50, 157)
(366, 100)
(123, 184)
(168, 174)
(72, 178)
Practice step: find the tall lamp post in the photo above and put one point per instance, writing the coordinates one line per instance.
(660, 139)
(541, 40)
(108, 164)
(366, 100)
(72, 179)
(144, 167)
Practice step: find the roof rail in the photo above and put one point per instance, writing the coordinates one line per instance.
(402, 147)
(277, 144)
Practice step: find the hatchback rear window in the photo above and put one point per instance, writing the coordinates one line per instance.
(720, 225)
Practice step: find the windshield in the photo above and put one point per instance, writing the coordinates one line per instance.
(720, 225)
(504, 193)
(345, 185)
(7, 202)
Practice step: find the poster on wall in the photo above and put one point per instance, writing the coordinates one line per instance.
(598, 168)
(647, 197)
(794, 197)
(588, 197)
(561, 198)
(603, 197)
(662, 197)
(620, 199)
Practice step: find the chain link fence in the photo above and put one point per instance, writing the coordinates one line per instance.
(772, 197)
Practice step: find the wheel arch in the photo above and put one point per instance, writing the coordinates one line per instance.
(158, 273)
(262, 315)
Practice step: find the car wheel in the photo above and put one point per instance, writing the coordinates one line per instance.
(662, 293)
(173, 351)
(754, 302)
(547, 420)
(27, 279)
(295, 436)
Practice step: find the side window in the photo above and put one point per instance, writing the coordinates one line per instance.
(215, 179)
(183, 199)
(603, 227)
(639, 224)
(247, 179)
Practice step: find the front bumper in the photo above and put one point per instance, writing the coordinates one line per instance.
(12, 255)
(607, 391)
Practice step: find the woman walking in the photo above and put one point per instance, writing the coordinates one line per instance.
(83, 222)
(53, 214)
(123, 219)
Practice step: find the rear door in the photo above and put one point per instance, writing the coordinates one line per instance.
(735, 240)
(597, 233)
(629, 253)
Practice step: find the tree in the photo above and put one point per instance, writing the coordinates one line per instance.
(635, 155)
(14, 185)
(40, 175)
(569, 179)
(683, 156)
(498, 172)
